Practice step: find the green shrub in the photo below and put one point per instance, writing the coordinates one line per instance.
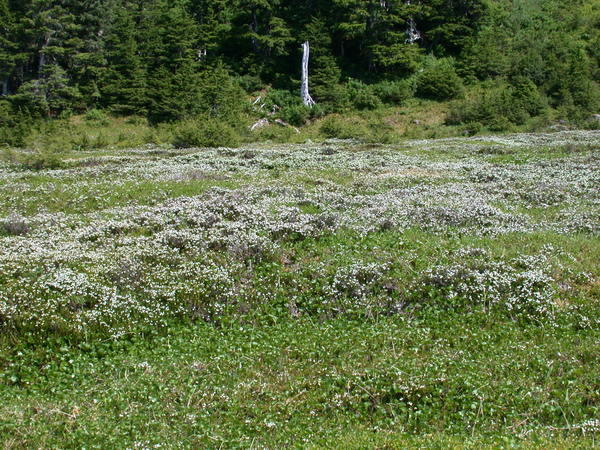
(333, 98)
(439, 80)
(42, 160)
(526, 96)
(250, 83)
(472, 128)
(362, 96)
(375, 131)
(288, 107)
(96, 115)
(395, 92)
(499, 106)
(280, 99)
(204, 132)
(274, 133)
(366, 99)
(296, 115)
(14, 126)
(381, 133)
(336, 127)
(220, 96)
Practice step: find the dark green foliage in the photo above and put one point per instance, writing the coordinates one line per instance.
(362, 96)
(288, 107)
(439, 80)
(204, 132)
(14, 126)
(395, 92)
(43, 160)
(124, 83)
(499, 106)
(336, 127)
(170, 60)
(51, 96)
(220, 96)
(173, 78)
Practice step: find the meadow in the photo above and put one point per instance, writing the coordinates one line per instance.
(440, 293)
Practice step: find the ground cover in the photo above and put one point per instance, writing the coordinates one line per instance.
(434, 292)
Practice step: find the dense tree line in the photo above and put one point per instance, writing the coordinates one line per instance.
(170, 59)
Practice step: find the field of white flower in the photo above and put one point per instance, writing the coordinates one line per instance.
(121, 243)
(132, 248)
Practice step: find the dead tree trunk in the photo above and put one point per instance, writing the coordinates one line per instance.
(306, 98)
(412, 33)
(4, 88)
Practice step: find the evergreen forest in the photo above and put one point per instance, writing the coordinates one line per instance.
(506, 61)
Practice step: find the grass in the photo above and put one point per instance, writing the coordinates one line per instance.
(322, 295)
(458, 377)
(96, 131)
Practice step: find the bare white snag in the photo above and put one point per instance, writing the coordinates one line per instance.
(306, 98)
(412, 34)
(4, 87)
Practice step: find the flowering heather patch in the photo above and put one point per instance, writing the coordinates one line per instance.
(142, 237)
(522, 286)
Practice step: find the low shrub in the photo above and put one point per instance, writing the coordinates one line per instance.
(14, 126)
(395, 92)
(439, 80)
(96, 115)
(362, 95)
(336, 127)
(15, 225)
(204, 132)
(499, 107)
(296, 115)
(520, 287)
(374, 131)
(42, 160)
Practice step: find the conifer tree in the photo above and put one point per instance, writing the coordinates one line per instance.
(169, 39)
(7, 46)
(123, 85)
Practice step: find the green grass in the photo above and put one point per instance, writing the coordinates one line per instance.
(400, 381)
(72, 197)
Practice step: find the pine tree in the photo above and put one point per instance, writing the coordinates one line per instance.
(214, 25)
(169, 44)
(7, 46)
(123, 85)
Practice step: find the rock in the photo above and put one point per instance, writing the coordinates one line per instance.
(417, 122)
(260, 124)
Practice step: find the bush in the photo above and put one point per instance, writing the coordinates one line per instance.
(336, 127)
(296, 115)
(373, 131)
(362, 96)
(333, 98)
(526, 96)
(204, 132)
(250, 83)
(395, 92)
(43, 160)
(96, 115)
(15, 225)
(220, 96)
(499, 107)
(439, 81)
(280, 99)
(14, 126)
